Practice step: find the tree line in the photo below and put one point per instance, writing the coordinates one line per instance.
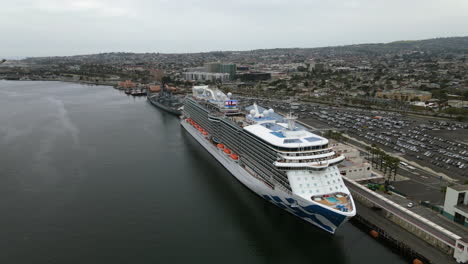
(382, 161)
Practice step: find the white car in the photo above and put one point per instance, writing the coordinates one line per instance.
(409, 205)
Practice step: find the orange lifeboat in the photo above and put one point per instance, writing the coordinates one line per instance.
(220, 146)
(234, 156)
(205, 133)
(374, 234)
(227, 151)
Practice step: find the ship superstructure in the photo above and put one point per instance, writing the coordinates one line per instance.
(272, 155)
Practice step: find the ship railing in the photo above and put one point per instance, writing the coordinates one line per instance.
(309, 160)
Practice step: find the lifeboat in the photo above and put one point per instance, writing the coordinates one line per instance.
(205, 133)
(220, 146)
(234, 156)
(227, 151)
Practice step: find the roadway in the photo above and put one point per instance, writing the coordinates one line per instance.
(385, 205)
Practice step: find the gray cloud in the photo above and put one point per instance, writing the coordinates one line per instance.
(66, 27)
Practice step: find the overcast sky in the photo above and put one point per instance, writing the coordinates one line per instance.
(68, 27)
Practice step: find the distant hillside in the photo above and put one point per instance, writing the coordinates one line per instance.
(454, 45)
(437, 45)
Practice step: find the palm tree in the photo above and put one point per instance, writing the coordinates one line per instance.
(395, 166)
(386, 162)
(368, 150)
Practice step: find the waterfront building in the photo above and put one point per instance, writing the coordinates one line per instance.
(456, 204)
(354, 167)
(127, 84)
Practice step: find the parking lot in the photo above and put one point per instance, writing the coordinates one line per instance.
(438, 144)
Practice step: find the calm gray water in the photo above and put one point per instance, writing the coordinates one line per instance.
(90, 175)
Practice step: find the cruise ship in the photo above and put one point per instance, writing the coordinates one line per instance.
(272, 155)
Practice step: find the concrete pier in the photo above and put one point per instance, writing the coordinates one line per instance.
(407, 229)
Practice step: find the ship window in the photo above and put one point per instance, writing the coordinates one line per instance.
(292, 140)
(312, 139)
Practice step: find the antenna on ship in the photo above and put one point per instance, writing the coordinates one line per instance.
(291, 121)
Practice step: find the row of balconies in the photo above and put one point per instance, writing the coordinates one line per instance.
(317, 163)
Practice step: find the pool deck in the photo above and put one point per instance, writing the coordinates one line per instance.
(339, 201)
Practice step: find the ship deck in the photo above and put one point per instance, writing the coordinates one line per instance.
(338, 201)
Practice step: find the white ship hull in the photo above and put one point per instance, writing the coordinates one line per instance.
(320, 216)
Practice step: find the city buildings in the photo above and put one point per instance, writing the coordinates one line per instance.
(254, 76)
(457, 103)
(405, 95)
(217, 67)
(206, 76)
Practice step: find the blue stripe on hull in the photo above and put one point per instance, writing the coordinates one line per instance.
(308, 213)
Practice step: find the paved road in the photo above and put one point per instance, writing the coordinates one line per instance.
(420, 186)
(430, 215)
(396, 211)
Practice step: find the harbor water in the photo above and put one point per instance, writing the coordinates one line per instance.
(91, 175)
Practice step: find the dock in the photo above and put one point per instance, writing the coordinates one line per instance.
(414, 235)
